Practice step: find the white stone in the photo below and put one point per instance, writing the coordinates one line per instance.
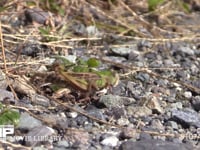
(92, 31)
(73, 114)
(123, 121)
(42, 69)
(62, 114)
(177, 105)
(188, 94)
(110, 141)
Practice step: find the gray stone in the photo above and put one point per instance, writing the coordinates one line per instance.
(40, 100)
(3, 82)
(145, 43)
(134, 56)
(187, 50)
(196, 83)
(154, 104)
(116, 59)
(145, 136)
(124, 51)
(196, 103)
(156, 64)
(194, 69)
(144, 77)
(123, 121)
(131, 85)
(138, 111)
(79, 28)
(186, 117)
(177, 105)
(40, 134)
(63, 144)
(39, 148)
(81, 120)
(128, 133)
(156, 124)
(119, 89)
(78, 139)
(169, 62)
(4, 94)
(117, 112)
(173, 124)
(95, 112)
(128, 101)
(153, 145)
(37, 15)
(111, 100)
(92, 31)
(28, 122)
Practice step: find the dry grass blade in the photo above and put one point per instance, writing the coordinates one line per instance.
(154, 29)
(117, 20)
(5, 64)
(3, 50)
(15, 146)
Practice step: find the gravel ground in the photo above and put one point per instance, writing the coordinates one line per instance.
(155, 106)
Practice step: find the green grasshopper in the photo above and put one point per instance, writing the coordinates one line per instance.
(86, 79)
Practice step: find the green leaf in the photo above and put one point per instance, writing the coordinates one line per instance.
(3, 8)
(92, 62)
(153, 4)
(81, 66)
(104, 73)
(82, 62)
(80, 69)
(31, 3)
(1, 106)
(56, 87)
(101, 83)
(61, 12)
(44, 30)
(9, 117)
(107, 77)
(186, 7)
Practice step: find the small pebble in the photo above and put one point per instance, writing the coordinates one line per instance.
(188, 94)
(110, 141)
